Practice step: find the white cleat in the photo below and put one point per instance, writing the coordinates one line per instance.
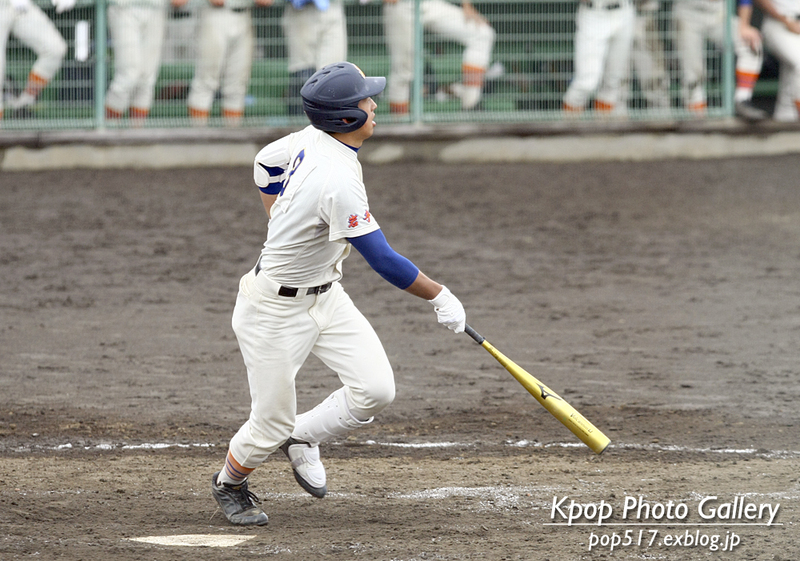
(24, 100)
(307, 466)
(469, 95)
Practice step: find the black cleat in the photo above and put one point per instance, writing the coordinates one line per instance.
(749, 112)
(238, 503)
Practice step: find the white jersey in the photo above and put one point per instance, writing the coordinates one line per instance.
(323, 202)
(789, 8)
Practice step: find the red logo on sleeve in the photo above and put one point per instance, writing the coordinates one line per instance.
(352, 222)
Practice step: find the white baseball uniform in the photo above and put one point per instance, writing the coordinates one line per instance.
(34, 29)
(136, 29)
(603, 40)
(449, 21)
(224, 59)
(316, 35)
(785, 45)
(700, 20)
(279, 322)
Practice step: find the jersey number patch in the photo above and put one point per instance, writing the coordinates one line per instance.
(296, 164)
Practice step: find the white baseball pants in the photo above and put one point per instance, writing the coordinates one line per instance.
(785, 45)
(224, 56)
(696, 22)
(439, 17)
(137, 33)
(603, 40)
(35, 30)
(276, 334)
(313, 38)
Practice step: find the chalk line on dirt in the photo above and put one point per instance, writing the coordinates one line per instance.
(653, 447)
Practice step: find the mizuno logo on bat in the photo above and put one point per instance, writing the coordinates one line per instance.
(545, 394)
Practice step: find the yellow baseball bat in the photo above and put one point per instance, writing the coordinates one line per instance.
(550, 400)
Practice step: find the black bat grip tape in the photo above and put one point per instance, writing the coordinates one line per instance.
(474, 334)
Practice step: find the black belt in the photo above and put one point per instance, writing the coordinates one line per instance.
(291, 292)
(239, 10)
(614, 6)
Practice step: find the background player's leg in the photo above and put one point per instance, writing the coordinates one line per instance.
(477, 37)
(39, 33)
(591, 50)
(398, 20)
(236, 70)
(210, 57)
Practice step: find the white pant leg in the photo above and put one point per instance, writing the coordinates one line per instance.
(785, 45)
(349, 346)
(618, 59)
(332, 44)
(301, 28)
(211, 50)
(152, 37)
(123, 30)
(786, 108)
(449, 21)
(692, 28)
(37, 32)
(276, 335)
(238, 61)
(592, 34)
(398, 23)
(313, 38)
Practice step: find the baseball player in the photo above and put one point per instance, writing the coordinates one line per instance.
(463, 25)
(603, 39)
(225, 56)
(781, 29)
(316, 35)
(291, 304)
(701, 20)
(136, 29)
(647, 57)
(34, 29)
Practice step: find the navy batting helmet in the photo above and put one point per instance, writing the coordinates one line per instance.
(331, 96)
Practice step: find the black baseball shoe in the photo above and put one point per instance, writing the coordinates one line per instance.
(306, 465)
(238, 503)
(749, 112)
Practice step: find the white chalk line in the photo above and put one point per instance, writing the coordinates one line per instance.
(653, 447)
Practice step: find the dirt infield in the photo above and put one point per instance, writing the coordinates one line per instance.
(660, 299)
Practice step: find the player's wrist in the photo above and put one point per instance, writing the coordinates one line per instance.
(441, 299)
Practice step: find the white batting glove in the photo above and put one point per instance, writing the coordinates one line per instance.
(449, 310)
(63, 5)
(21, 5)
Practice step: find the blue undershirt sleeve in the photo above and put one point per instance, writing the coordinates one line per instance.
(389, 264)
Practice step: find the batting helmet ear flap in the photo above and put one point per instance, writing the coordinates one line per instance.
(331, 97)
(347, 119)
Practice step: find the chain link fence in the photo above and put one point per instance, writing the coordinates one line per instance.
(515, 66)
